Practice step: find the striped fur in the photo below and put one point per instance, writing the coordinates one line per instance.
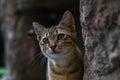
(58, 44)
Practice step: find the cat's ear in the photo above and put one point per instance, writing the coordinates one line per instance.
(68, 21)
(38, 28)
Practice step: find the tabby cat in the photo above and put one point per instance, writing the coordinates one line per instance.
(58, 44)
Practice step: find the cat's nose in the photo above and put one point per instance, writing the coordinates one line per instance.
(53, 47)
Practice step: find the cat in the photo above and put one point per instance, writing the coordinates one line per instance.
(58, 44)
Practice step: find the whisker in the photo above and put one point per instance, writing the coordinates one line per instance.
(43, 64)
(43, 60)
(39, 57)
(34, 58)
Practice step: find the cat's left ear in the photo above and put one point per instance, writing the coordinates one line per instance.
(68, 21)
(38, 28)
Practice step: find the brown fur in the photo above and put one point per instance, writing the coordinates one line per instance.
(58, 44)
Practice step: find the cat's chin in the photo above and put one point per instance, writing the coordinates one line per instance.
(55, 55)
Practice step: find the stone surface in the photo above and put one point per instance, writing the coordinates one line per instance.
(100, 21)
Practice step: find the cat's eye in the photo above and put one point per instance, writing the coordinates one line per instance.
(45, 40)
(60, 36)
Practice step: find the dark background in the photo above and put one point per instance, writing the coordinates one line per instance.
(17, 39)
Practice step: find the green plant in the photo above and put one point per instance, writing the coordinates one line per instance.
(2, 71)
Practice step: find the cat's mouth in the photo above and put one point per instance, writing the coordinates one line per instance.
(55, 52)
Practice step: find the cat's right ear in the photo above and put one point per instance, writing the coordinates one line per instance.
(38, 28)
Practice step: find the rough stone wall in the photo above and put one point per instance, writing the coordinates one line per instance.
(100, 21)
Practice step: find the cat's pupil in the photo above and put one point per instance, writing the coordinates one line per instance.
(60, 36)
(45, 40)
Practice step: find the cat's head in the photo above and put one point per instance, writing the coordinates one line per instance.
(58, 40)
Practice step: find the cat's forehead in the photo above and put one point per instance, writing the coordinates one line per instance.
(54, 30)
(50, 31)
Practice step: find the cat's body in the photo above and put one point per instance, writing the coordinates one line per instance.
(58, 44)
